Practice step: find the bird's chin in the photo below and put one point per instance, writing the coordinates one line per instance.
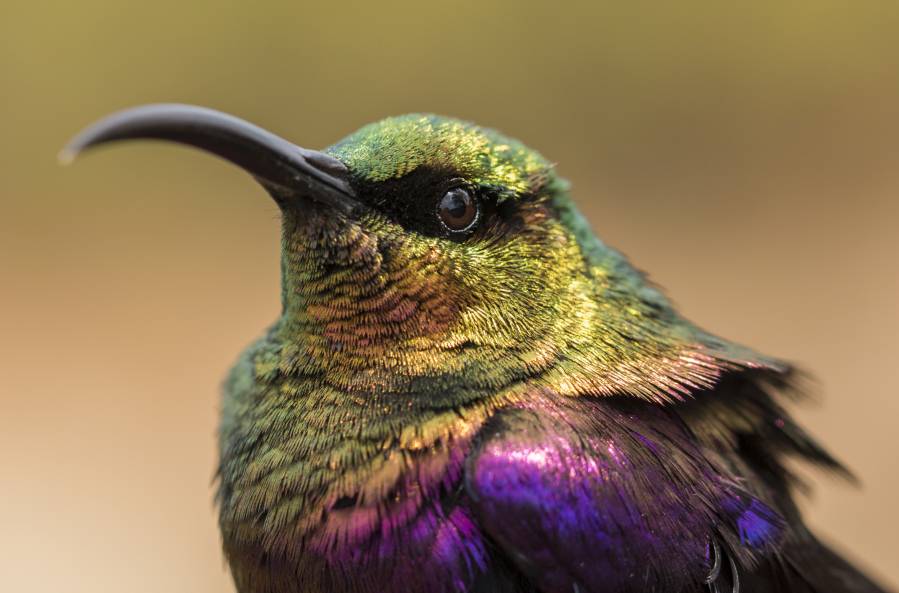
(308, 219)
(316, 235)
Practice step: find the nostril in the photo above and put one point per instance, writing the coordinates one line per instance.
(323, 161)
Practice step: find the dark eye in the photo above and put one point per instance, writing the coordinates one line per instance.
(458, 209)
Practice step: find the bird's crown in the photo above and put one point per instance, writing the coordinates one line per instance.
(396, 146)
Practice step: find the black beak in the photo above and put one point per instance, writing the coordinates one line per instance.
(284, 169)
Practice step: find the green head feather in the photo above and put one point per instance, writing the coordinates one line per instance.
(396, 146)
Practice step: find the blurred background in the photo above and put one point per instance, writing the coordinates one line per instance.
(748, 157)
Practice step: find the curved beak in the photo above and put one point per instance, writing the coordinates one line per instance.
(287, 171)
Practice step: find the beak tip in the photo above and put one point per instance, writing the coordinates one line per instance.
(67, 156)
(70, 152)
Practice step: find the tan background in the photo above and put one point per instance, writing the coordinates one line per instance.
(746, 157)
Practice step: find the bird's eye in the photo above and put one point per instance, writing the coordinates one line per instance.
(458, 209)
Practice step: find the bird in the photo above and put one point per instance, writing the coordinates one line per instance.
(467, 391)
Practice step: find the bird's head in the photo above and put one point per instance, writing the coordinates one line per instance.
(427, 254)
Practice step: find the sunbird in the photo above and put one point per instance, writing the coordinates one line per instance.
(467, 391)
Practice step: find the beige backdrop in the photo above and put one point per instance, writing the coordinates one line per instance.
(746, 157)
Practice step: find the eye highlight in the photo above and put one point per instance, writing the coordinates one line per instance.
(458, 210)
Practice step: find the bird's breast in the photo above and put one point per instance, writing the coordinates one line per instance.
(324, 485)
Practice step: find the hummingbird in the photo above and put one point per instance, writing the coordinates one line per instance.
(467, 391)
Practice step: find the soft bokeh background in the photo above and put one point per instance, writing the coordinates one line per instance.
(746, 156)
